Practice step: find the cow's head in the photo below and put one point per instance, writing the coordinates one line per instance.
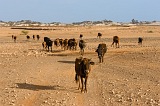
(86, 65)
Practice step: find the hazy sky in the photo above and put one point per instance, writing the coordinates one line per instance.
(68, 11)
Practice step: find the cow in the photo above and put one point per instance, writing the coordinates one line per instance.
(14, 38)
(116, 41)
(101, 50)
(65, 44)
(38, 37)
(56, 42)
(80, 36)
(72, 44)
(48, 42)
(28, 37)
(82, 45)
(44, 45)
(61, 42)
(33, 37)
(82, 70)
(99, 35)
(140, 40)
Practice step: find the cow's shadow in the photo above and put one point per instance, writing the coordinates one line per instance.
(66, 61)
(43, 87)
(38, 87)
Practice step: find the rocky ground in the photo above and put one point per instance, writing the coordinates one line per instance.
(129, 76)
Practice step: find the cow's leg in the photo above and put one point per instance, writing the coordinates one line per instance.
(85, 84)
(48, 48)
(112, 44)
(79, 83)
(82, 51)
(99, 59)
(102, 59)
(118, 44)
(51, 48)
(82, 84)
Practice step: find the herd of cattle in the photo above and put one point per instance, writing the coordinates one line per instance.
(82, 65)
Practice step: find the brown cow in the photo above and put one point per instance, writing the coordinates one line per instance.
(61, 42)
(101, 50)
(82, 69)
(116, 41)
(44, 45)
(56, 42)
(65, 44)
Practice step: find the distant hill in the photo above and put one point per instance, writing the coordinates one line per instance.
(29, 23)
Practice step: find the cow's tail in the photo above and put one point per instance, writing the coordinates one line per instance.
(76, 78)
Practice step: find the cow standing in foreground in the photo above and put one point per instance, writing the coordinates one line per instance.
(101, 50)
(116, 41)
(82, 69)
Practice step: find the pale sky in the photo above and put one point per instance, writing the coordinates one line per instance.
(68, 11)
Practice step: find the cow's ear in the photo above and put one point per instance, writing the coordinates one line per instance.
(92, 63)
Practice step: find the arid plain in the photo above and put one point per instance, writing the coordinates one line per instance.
(129, 76)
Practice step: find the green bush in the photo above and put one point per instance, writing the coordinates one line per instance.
(24, 32)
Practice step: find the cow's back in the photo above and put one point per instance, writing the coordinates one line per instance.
(82, 44)
(78, 64)
(102, 47)
(116, 39)
(46, 39)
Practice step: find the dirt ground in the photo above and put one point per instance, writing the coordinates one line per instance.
(129, 76)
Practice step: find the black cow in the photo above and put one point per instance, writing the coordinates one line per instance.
(140, 40)
(28, 37)
(33, 37)
(99, 35)
(116, 41)
(48, 43)
(14, 38)
(72, 44)
(82, 69)
(82, 45)
(80, 36)
(101, 50)
(38, 37)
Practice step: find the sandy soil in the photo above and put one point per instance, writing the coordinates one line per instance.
(129, 76)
